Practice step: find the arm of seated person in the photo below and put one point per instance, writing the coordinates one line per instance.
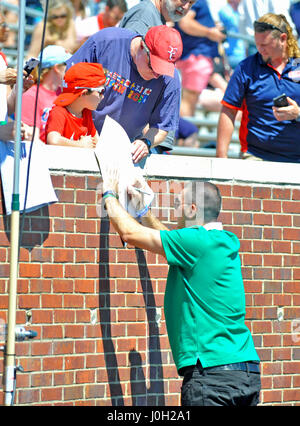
(55, 138)
(8, 131)
(140, 149)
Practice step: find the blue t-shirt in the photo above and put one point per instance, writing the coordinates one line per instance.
(129, 99)
(252, 88)
(199, 45)
(230, 19)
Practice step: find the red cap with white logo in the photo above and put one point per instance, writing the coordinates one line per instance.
(165, 46)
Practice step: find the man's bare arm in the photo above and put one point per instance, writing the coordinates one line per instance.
(225, 130)
(131, 231)
(152, 222)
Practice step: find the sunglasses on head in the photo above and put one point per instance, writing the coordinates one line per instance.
(260, 27)
(64, 15)
(100, 90)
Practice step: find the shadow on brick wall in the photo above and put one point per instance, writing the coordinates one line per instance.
(34, 227)
(140, 393)
(156, 389)
(110, 357)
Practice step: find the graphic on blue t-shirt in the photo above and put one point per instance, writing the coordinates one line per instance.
(119, 84)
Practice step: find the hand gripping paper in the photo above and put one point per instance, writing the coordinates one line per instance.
(113, 151)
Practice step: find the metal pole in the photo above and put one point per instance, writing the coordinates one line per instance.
(15, 221)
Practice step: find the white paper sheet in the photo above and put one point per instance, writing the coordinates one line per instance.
(113, 151)
(40, 188)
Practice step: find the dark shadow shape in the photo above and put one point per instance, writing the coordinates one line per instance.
(137, 379)
(156, 389)
(105, 318)
(141, 395)
(34, 227)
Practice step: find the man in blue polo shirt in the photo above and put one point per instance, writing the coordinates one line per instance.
(266, 132)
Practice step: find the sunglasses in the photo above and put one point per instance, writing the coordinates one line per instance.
(100, 90)
(64, 15)
(3, 25)
(261, 27)
(148, 54)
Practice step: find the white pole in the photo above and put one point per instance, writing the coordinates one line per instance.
(9, 383)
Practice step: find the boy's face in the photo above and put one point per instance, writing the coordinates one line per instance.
(93, 97)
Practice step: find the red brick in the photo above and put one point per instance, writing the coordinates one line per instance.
(251, 204)
(282, 194)
(272, 396)
(52, 271)
(76, 182)
(32, 270)
(271, 206)
(73, 392)
(63, 255)
(282, 220)
(86, 226)
(260, 192)
(262, 219)
(240, 191)
(51, 394)
(290, 207)
(51, 301)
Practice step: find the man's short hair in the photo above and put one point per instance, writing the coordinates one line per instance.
(207, 198)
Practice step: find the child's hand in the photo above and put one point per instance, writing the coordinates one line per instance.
(87, 142)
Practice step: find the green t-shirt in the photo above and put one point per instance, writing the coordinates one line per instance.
(205, 298)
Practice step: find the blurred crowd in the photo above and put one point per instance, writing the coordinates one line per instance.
(216, 34)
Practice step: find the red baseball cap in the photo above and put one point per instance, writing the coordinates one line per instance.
(165, 46)
(83, 74)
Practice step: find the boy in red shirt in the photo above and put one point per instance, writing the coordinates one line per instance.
(70, 121)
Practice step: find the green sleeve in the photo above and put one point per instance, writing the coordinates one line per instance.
(183, 247)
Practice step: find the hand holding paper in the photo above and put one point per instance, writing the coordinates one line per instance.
(140, 195)
(113, 153)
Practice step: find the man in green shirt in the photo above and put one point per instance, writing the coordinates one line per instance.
(204, 300)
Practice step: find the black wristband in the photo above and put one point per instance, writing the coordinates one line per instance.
(147, 142)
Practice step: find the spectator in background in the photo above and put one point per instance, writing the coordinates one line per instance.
(150, 13)
(252, 10)
(200, 39)
(52, 71)
(81, 11)
(112, 14)
(11, 17)
(8, 76)
(295, 15)
(266, 132)
(70, 122)
(234, 47)
(3, 66)
(60, 29)
(187, 134)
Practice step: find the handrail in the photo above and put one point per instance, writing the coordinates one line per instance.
(202, 152)
(243, 37)
(28, 10)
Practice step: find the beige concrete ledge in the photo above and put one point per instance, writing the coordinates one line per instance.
(79, 160)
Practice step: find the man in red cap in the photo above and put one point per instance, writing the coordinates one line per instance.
(70, 122)
(142, 90)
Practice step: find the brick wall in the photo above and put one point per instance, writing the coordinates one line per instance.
(98, 308)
